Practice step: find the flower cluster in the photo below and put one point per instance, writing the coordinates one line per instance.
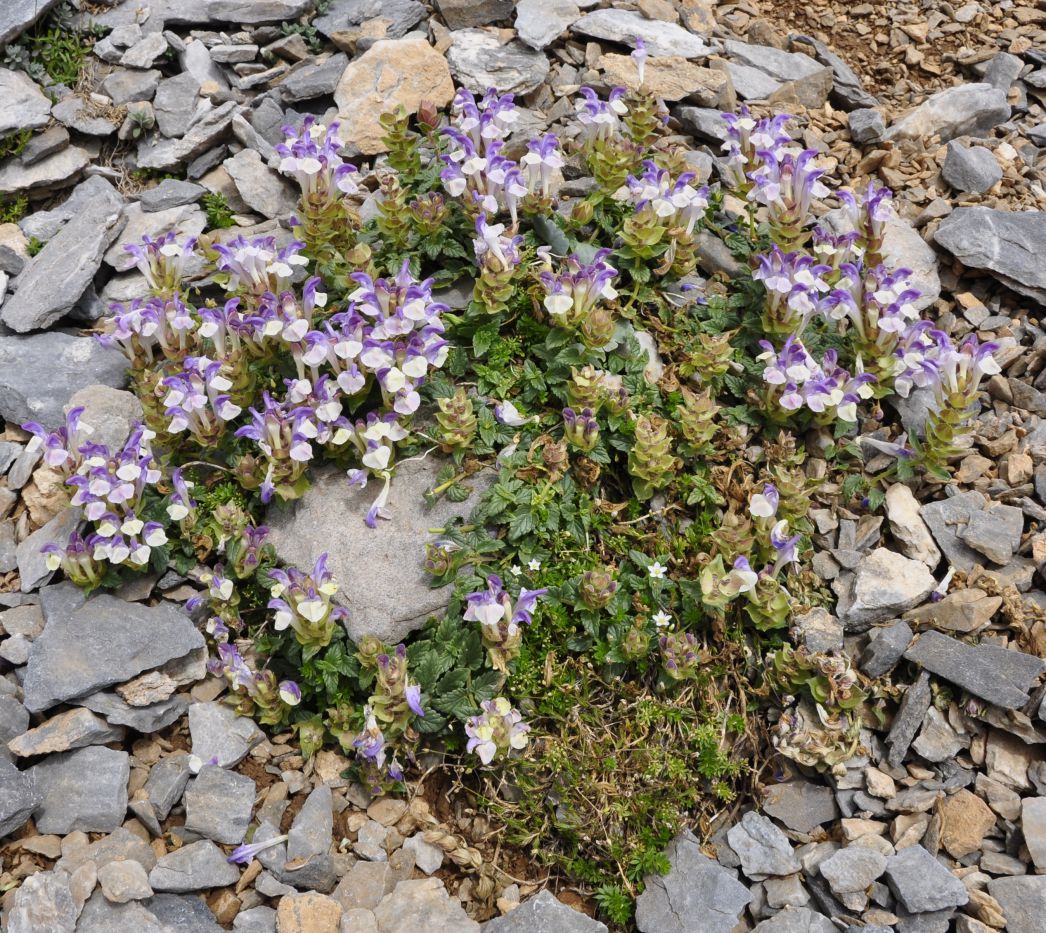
(163, 261)
(304, 603)
(475, 168)
(497, 730)
(500, 618)
(574, 296)
(258, 693)
(796, 380)
(310, 155)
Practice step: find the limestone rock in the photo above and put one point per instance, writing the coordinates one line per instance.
(540, 22)
(392, 72)
(23, 106)
(1008, 244)
(101, 642)
(84, 790)
(885, 585)
(907, 526)
(624, 26)
(695, 886)
(964, 110)
(480, 61)
(55, 278)
(380, 571)
(1003, 676)
(544, 912)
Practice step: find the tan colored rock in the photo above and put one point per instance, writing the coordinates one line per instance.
(46, 495)
(672, 78)
(74, 728)
(964, 611)
(908, 527)
(392, 72)
(307, 913)
(965, 819)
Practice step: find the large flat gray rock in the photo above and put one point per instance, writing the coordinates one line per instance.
(697, 893)
(965, 110)
(544, 913)
(23, 106)
(1003, 676)
(167, 154)
(55, 171)
(18, 797)
(923, 884)
(40, 372)
(85, 790)
(1009, 244)
(1023, 901)
(380, 571)
(18, 15)
(55, 279)
(105, 641)
(624, 26)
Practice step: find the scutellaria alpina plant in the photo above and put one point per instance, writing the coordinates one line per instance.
(621, 599)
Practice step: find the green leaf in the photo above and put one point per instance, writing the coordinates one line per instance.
(484, 337)
(487, 685)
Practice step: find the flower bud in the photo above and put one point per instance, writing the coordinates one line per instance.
(586, 389)
(458, 421)
(650, 460)
(580, 430)
(582, 213)
(597, 330)
(635, 645)
(556, 459)
(597, 588)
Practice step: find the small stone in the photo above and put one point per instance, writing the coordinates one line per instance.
(219, 736)
(42, 903)
(885, 584)
(797, 920)
(1004, 243)
(938, 741)
(23, 105)
(56, 171)
(886, 648)
(427, 857)
(82, 790)
(972, 170)
(262, 189)
(1033, 826)
(175, 102)
(1023, 901)
(125, 87)
(763, 849)
(995, 532)
(355, 25)
(218, 805)
(259, 919)
(819, 630)
(866, 126)
(540, 22)
(392, 72)
(195, 867)
(204, 134)
(370, 842)
(965, 821)
(166, 783)
(908, 719)
(108, 414)
(907, 526)
(801, 805)
(145, 52)
(364, 885)
(423, 905)
(72, 729)
(53, 281)
(327, 517)
(921, 883)
(964, 611)
(853, 869)
(309, 863)
(544, 912)
(1001, 676)
(171, 192)
(124, 881)
(308, 913)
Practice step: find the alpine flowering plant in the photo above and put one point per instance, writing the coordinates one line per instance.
(652, 438)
